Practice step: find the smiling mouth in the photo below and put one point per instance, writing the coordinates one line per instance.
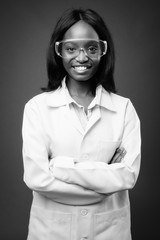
(81, 68)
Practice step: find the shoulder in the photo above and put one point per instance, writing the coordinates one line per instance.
(38, 102)
(125, 104)
(44, 100)
(121, 101)
(115, 101)
(37, 99)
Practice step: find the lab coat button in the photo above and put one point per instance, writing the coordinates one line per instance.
(84, 212)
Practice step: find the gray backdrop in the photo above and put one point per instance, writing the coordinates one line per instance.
(25, 30)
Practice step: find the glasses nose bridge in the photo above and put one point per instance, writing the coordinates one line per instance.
(80, 50)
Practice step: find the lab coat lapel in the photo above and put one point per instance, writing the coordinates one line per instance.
(73, 118)
(96, 115)
(58, 99)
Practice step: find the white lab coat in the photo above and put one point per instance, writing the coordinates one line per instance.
(76, 193)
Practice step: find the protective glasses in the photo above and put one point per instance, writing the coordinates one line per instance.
(71, 48)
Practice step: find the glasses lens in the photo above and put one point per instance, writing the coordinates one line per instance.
(95, 49)
(72, 48)
(68, 49)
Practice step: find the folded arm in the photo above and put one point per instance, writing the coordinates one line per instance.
(37, 171)
(108, 178)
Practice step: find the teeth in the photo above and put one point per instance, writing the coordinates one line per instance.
(80, 68)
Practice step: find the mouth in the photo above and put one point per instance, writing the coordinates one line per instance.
(81, 68)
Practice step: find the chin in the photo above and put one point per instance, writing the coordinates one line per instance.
(81, 77)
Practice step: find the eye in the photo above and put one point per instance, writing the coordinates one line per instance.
(92, 49)
(70, 49)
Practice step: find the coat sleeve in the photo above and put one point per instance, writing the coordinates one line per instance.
(109, 178)
(37, 173)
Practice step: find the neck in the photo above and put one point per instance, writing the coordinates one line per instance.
(79, 88)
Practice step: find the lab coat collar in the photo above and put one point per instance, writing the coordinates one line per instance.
(107, 100)
(59, 98)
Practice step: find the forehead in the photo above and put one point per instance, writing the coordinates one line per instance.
(81, 30)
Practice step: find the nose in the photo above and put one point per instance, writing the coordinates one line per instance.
(82, 56)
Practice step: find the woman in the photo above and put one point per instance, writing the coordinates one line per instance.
(81, 141)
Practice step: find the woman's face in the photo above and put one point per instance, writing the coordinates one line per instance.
(80, 67)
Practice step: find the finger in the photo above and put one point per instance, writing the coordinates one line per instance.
(119, 155)
(116, 156)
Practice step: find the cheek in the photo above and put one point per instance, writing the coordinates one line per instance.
(66, 65)
(96, 66)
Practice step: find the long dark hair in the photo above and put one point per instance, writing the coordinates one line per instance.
(55, 69)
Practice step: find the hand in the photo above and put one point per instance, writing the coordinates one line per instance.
(118, 156)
